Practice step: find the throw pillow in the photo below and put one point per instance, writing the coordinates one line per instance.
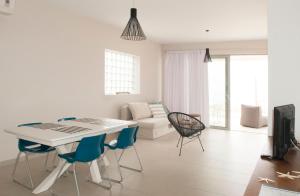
(157, 110)
(140, 110)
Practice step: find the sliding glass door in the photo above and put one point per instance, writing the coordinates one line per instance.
(233, 81)
(218, 79)
(248, 86)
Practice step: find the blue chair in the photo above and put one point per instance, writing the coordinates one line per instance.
(28, 147)
(187, 126)
(125, 140)
(74, 144)
(88, 150)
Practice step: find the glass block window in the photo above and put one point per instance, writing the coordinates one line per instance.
(121, 73)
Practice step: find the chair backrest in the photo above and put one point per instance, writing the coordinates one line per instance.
(89, 148)
(22, 144)
(66, 119)
(102, 147)
(127, 137)
(185, 124)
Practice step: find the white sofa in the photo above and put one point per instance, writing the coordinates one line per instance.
(149, 128)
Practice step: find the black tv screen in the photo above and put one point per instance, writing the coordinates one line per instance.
(283, 130)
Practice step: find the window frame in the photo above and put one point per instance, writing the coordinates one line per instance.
(135, 74)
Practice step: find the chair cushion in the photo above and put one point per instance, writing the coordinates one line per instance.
(37, 149)
(157, 111)
(140, 110)
(152, 123)
(112, 144)
(69, 157)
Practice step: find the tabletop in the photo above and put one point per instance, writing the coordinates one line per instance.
(60, 133)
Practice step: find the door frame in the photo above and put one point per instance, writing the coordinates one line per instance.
(227, 92)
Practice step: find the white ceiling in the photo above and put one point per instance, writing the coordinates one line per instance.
(174, 21)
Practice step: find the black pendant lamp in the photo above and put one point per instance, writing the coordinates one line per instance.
(133, 30)
(207, 57)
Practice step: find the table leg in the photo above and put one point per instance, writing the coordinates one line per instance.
(95, 173)
(49, 180)
(105, 161)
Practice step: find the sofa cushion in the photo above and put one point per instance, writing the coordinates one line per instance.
(152, 123)
(125, 113)
(157, 111)
(140, 110)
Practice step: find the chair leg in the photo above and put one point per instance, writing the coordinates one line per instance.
(99, 184)
(46, 161)
(109, 182)
(28, 170)
(200, 143)
(54, 159)
(119, 159)
(130, 168)
(181, 146)
(75, 178)
(14, 173)
(15, 166)
(119, 168)
(178, 141)
(140, 162)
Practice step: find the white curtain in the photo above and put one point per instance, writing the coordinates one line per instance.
(186, 83)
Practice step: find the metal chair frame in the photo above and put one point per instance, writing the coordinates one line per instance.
(180, 130)
(125, 143)
(131, 168)
(118, 160)
(119, 169)
(76, 181)
(73, 164)
(29, 175)
(27, 170)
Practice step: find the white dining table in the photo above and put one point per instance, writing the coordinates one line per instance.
(60, 139)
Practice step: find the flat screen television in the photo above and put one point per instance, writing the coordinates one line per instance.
(283, 130)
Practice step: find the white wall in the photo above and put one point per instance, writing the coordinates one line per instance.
(52, 65)
(225, 48)
(284, 63)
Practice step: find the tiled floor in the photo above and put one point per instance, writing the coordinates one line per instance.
(223, 169)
